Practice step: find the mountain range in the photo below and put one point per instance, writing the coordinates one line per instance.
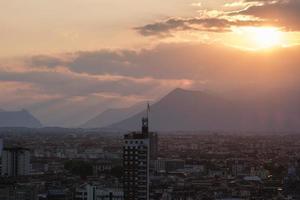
(21, 118)
(196, 110)
(186, 110)
(111, 116)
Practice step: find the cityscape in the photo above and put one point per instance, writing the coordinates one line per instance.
(146, 165)
(149, 100)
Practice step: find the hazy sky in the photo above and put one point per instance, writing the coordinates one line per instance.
(35, 26)
(68, 60)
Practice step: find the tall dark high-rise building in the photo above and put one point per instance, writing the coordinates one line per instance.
(15, 161)
(139, 148)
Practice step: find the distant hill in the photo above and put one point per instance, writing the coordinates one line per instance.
(111, 116)
(18, 119)
(196, 110)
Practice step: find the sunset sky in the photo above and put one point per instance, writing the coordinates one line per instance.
(68, 60)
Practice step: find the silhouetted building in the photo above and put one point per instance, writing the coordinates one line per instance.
(139, 148)
(15, 161)
(1, 146)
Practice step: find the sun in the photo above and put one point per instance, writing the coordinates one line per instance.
(258, 38)
(266, 37)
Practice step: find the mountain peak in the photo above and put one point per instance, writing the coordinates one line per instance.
(189, 110)
(180, 94)
(181, 109)
(180, 90)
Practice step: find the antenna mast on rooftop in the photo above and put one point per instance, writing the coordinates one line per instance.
(145, 120)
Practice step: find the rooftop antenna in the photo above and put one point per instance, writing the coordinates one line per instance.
(148, 110)
(145, 120)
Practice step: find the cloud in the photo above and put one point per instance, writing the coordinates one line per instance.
(129, 72)
(213, 24)
(86, 83)
(74, 85)
(263, 1)
(283, 13)
(46, 60)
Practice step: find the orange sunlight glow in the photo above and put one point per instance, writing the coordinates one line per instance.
(259, 38)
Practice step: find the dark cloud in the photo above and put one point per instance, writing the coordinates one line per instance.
(165, 28)
(164, 62)
(76, 85)
(170, 62)
(284, 13)
(44, 60)
(262, 1)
